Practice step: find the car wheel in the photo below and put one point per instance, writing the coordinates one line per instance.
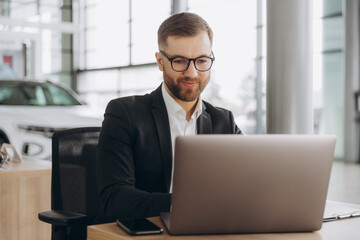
(3, 139)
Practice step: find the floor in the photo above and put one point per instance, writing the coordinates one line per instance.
(345, 183)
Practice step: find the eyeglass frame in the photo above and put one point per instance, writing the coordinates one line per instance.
(189, 61)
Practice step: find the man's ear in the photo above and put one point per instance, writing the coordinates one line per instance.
(159, 61)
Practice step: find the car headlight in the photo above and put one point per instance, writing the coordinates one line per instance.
(44, 131)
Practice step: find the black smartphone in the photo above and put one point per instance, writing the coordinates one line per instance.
(140, 226)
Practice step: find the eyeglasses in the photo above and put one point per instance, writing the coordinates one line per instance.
(181, 64)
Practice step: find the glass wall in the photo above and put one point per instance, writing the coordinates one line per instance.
(36, 40)
(98, 87)
(119, 45)
(120, 33)
(106, 31)
(331, 110)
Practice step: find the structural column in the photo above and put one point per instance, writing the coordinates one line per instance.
(289, 67)
(351, 133)
(179, 6)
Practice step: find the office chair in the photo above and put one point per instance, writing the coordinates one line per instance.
(74, 194)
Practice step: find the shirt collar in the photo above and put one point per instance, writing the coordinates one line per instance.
(172, 106)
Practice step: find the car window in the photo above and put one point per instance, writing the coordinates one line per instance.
(58, 96)
(40, 96)
(35, 95)
(5, 93)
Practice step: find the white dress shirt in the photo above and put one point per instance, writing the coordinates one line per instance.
(179, 126)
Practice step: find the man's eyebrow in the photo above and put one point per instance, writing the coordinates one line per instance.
(203, 55)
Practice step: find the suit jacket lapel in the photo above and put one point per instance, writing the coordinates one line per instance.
(203, 123)
(163, 128)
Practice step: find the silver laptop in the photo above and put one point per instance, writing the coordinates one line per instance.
(249, 184)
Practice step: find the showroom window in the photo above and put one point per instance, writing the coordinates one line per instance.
(36, 40)
(120, 33)
(332, 106)
(117, 47)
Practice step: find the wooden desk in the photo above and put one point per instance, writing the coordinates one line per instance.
(24, 191)
(343, 229)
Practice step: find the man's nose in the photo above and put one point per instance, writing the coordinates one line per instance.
(191, 71)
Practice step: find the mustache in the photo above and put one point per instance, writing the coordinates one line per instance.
(187, 79)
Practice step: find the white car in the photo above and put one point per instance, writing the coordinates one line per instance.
(31, 111)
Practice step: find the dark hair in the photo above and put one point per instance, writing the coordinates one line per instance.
(183, 24)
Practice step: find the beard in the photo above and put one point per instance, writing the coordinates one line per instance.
(182, 92)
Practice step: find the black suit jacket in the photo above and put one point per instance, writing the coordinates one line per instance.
(134, 161)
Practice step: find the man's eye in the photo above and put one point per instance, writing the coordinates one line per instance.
(180, 61)
(202, 60)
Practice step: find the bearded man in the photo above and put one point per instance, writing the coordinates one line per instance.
(136, 144)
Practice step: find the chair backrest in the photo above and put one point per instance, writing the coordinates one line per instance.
(74, 184)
